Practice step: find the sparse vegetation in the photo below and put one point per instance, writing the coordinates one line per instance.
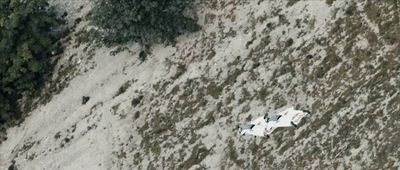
(123, 88)
(198, 154)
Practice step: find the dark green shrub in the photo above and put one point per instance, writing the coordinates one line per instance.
(28, 36)
(145, 21)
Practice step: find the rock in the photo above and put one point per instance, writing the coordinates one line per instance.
(289, 42)
(78, 20)
(142, 56)
(65, 14)
(3, 136)
(256, 65)
(136, 100)
(12, 166)
(85, 99)
(137, 115)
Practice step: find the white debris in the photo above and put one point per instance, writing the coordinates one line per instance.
(264, 126)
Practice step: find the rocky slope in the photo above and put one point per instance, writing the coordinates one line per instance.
(180, 108)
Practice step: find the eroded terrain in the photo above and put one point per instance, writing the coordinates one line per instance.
(180, 108)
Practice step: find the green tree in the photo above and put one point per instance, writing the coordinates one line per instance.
(145, 21)
(28, 36)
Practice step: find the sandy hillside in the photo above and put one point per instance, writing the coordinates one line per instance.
(180, 108)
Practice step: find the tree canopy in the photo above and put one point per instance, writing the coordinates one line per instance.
(120, 21)
(28, 36)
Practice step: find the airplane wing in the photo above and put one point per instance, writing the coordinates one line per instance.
(271, 126)
(259, 128)
(290, 117)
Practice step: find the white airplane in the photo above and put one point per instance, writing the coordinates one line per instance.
(264, 126)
